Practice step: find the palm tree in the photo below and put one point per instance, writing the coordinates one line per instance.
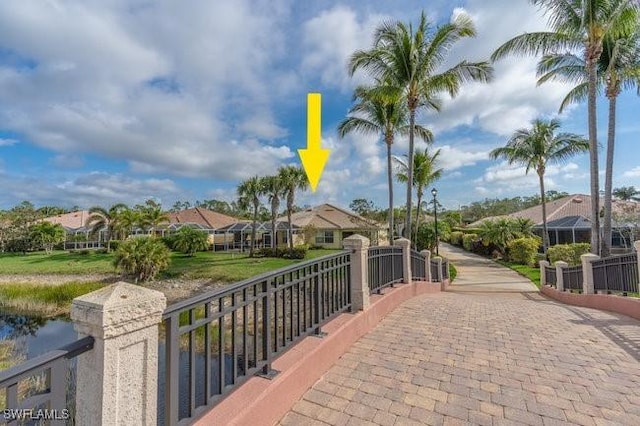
(273, 188)
(580, 26)
(424, 174)
(535, 148)
(618, 68)
(249, 192)
(627, 193)
(293, 178)
(101, 218)
(408, 61)
(373, 114)
(126, 220)
(151, 216)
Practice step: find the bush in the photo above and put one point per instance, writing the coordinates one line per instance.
(569, 253)
(524, 250)
(456, 238)
(296, 253)
(188, 240)
(114, 244)
(468, 241)
(427, 235)
(268, 252)
(142, 258)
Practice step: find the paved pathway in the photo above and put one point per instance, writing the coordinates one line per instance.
(489, 352)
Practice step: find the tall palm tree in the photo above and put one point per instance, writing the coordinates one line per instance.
(126, 221)
(579, 26)
(273, 188)
(618, 68)
(249, 192)
(409, 61)
(535, 148)
(151, 217)
(387, 116)
(107, 219)
(293, 178)
(424, 174)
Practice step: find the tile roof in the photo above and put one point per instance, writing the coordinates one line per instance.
(73, 220)
(328, 216)
(206, 218)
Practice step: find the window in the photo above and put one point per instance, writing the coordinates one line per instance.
(324, 237)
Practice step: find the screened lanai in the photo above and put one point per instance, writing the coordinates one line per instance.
(567, 230)
(238, 235)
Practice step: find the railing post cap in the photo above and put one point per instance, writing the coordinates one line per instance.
(402, 242)
(117, 309)
(425, 252)
(636, 244)
(589, 257)
(437, 258)
(544, 263)
(356, 241)
(562, 264)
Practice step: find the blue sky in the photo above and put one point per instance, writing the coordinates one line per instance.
(110, 101)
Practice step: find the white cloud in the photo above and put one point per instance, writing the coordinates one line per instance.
(7, 142)
(633, 173)
(452, 158)
(64, 161)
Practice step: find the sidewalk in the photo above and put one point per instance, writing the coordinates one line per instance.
(492, 351)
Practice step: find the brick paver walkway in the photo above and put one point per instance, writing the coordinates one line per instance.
(497, 357)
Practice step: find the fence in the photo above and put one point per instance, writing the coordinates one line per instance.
(384, 267)
(550, 275)
(41, 383)
(215, 342)
(572, 278)
(616, 274)
(418, 266)
(445, 269)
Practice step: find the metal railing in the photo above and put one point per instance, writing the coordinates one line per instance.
(550, 275)
(418, 266)
(434, 270)
(445, 269)
(41, 383)
(216, 341)
(384, 267)
(572, 278)
(616, 274)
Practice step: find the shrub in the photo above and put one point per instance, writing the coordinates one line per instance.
(142, 258)
(468, 241)
(427, 235)
(296, 253)
(569, 253)
(524, 250)
(114, 244)
(456, 238)
(188, 240)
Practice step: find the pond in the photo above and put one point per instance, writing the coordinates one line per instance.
(34, 335)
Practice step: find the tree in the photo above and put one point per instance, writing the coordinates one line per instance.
(424, 174)
(249, 192)
(580, 26)
(617, 68)
(46, 235)
(535, 148)
(101, 218)
(273, 188)
(151, 216)
(408, 61)
(376, 114)
(362, 206)
(142, 257)
(189, 241)
(627, 193)
(293, 179)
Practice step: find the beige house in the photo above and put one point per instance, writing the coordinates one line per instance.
(327, 225)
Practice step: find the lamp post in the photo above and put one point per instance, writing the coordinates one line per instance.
(434, 192)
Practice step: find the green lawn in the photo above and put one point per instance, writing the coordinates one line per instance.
(526, 271)
(217, 266)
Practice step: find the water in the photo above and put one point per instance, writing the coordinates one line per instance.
(36, 335)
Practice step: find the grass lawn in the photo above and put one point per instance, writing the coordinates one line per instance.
(526, 271)
(218, 266)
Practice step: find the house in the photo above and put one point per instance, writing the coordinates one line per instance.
(330, 225)
(568, 220)
(78, 233)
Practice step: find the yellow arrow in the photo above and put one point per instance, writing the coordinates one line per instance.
(314, 157)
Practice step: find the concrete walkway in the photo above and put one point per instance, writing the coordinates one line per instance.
(490, 351)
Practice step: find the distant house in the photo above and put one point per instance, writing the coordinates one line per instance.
(333, 224)
(568, 220)
(78, 233)
(200, 218)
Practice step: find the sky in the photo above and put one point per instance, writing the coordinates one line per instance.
(106, 101)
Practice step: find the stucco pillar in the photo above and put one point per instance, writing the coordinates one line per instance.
(427, 264)
(117, 379)
(359, 248)
(543, 276)
(406, 258)
(560, 265)
(587, 273)
(637, 247)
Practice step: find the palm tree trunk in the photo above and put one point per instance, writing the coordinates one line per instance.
(289, 209)
(608, 179)
(274, 233)
(593, 154)
(543, 198)
(253, 230)
(412, 122)
(390, 184)
(418, 201)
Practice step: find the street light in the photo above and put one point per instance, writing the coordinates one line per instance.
(434, 192)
